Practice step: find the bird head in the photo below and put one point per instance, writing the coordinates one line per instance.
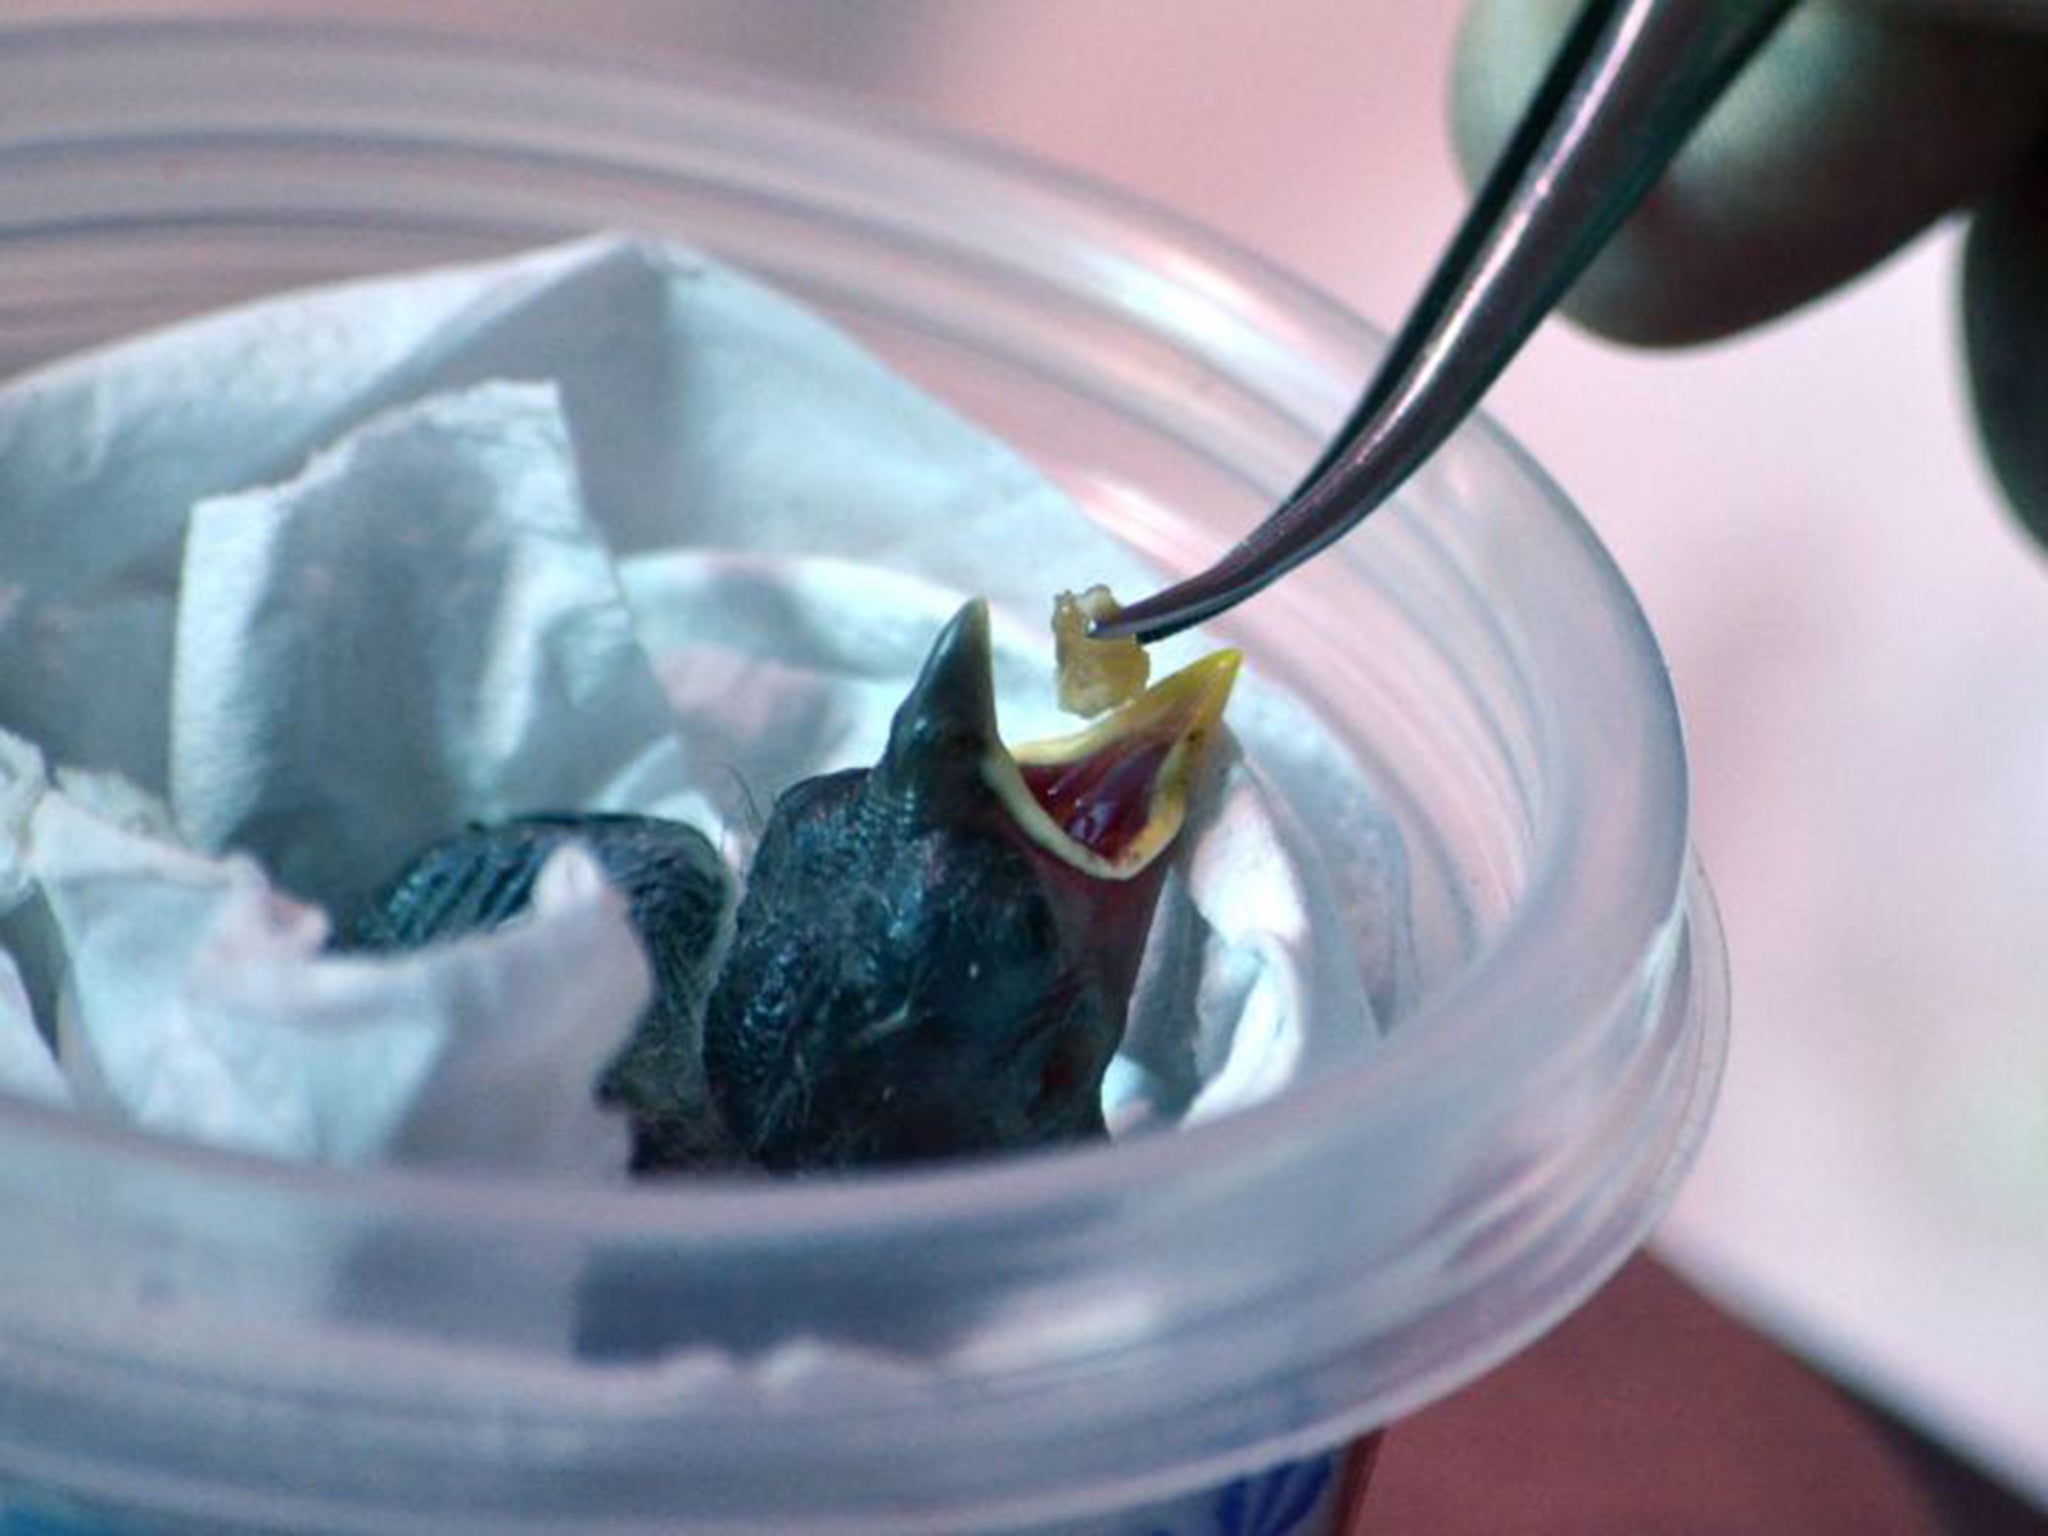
(935, 956)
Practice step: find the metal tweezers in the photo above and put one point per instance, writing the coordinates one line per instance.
(1626, 89)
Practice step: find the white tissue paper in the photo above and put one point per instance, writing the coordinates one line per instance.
(307, 728)
(292, 590)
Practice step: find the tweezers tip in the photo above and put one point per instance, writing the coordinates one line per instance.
(1157, 617)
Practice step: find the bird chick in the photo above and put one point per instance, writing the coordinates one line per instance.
(934, 957)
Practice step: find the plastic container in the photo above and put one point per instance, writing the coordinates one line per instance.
(1111, 1340)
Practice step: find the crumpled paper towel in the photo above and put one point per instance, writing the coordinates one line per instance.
(306, 726)
(256, 1039)
(292, 589)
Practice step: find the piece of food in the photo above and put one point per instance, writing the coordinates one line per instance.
(678, 894)
(935, 956)
(1094, 675)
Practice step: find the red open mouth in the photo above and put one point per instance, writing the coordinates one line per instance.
(1111, 798)
(1102, 802)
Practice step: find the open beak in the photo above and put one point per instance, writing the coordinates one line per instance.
(1110, 799)
(1104, 802)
